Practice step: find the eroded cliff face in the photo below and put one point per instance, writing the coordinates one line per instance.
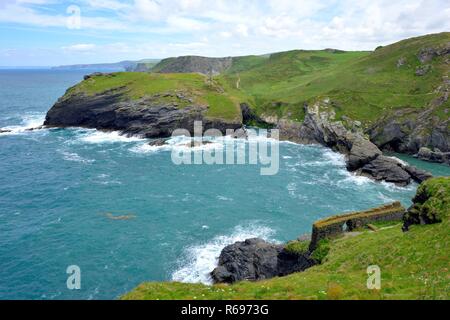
(362, 156)
(151, 117)
(407, 131)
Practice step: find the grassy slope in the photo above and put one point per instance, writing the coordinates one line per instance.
(136, 85)
(414, 265)
(364, 84)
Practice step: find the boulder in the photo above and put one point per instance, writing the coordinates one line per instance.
(423, 70)
(157, 142)
(256, 259)
(5, 131)
(418, 175)
(362, 152)
(433, 156)
(386, 169)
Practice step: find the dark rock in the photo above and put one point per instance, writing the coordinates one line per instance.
(406, 130)
(157, 142)
(418, 175)
(35, 128)
(256, 259)
(401, 62)
(195, 144)
(433, 156)
(428, 54)
(423, 70)
(362, 152)
(5, 131)
(95, 74)
(386, 169)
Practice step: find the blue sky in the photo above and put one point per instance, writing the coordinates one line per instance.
(57, 32)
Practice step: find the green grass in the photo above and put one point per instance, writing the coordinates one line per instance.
(414, 265)
(363, 85)
(297, 247)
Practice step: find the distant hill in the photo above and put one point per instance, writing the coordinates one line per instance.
(193, 64)
(117, 66)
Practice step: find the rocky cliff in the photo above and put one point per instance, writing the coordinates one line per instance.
(362, 156)
(153, 115)
(194, 64)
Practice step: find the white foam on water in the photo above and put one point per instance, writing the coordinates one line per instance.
(72, 156)
(223, 198)
(146, 148)
(329, 158)
(404, 163)
(200, 260)
(395, 188)
(28, 122)
(334, 158)
(101, 137)
(354, 179)
(180, 144)
(385, 198)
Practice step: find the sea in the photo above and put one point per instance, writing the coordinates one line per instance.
(123, 212)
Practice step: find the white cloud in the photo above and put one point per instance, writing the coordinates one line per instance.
(158, 28)
(81, 47)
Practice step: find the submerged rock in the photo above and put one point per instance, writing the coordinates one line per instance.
(157, 142)
(5, 131)
(256, 259)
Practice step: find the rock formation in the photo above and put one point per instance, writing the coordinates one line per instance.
(362, 156)
(150, 117)
(256, 259)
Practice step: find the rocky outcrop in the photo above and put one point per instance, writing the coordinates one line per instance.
(362, 156)
(431, 203)
(150, 117)
(256, 259)
(194, 64)
(407, 131)
(433, 155)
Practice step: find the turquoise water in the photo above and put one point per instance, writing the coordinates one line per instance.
(60, 188)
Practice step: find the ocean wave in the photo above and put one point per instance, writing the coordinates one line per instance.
(72, 156)
(200, 260)
(181, 144)
(404, 163)
(94, 136)
(354, 179)
(28, 122)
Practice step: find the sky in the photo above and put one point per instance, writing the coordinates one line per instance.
(57, 32)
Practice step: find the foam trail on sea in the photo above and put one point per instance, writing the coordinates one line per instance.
(28, 122)
(101, 137)
(201, 259)
(72, 156)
